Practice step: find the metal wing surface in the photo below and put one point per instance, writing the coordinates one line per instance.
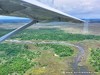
(35, 10)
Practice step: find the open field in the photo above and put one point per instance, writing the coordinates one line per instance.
(49, 59)
(93, 29)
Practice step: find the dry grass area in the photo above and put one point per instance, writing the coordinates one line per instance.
(11, 25)
(73, 28)
(94, 28)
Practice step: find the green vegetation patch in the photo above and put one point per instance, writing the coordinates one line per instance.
(4, 31)
(95, 59)
(61, 50)
(48, 34)
(16, 58)
(17, 65)
(52, 34)
(19, 58)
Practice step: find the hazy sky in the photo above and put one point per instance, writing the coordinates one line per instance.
(78, 8)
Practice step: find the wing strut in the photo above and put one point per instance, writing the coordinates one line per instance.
(17, 30)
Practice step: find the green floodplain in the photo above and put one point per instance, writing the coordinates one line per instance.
(43, 59)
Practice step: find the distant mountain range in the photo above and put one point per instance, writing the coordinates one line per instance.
(25, 20)
(14, 20)
(92, 20)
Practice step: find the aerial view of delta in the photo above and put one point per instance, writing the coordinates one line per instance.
(49, 37)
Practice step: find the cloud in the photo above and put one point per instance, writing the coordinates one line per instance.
(88, 8)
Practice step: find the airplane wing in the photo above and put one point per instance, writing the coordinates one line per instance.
(35, 10)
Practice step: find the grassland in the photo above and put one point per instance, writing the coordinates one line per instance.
(41, 59)
(52, 34)
(49, 34)
(60, 50)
